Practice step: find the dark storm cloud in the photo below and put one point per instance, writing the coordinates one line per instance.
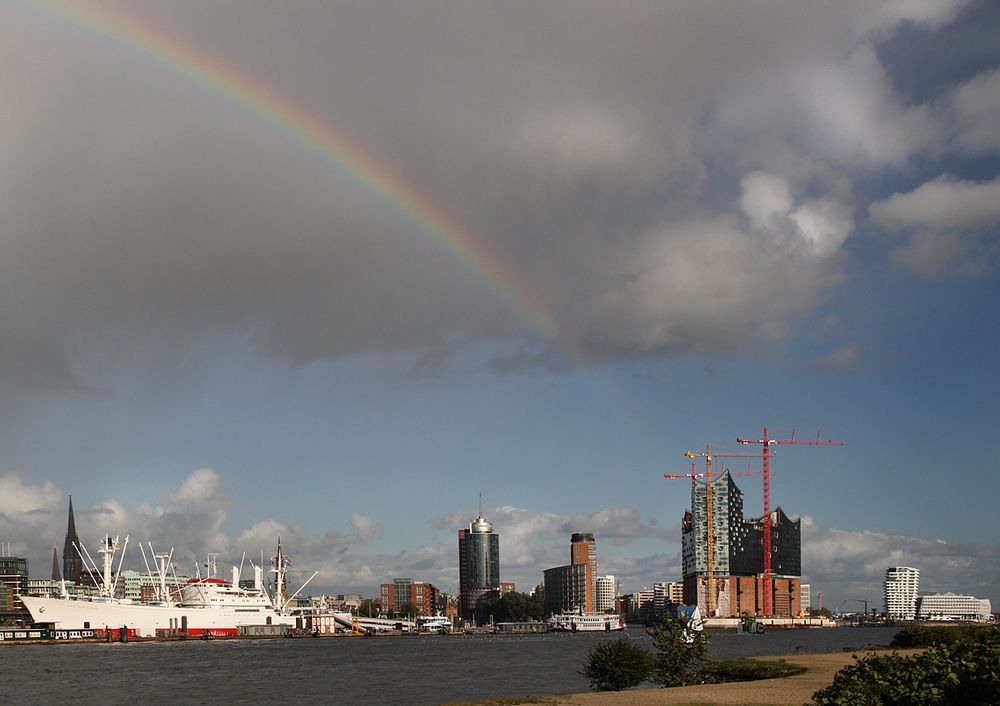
(621, 160)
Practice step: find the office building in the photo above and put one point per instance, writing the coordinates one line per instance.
(901, 585)
(953, 608)
(583, 550)
(13, 582)
(805, 598)
(478, 565)
(566, 588)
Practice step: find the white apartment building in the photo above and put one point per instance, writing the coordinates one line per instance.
(902, 583)
(805, 598)
(605, 597)
(953, 607)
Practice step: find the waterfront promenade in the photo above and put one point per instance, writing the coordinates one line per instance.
(797, 690)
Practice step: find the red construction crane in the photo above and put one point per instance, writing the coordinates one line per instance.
(766, 458)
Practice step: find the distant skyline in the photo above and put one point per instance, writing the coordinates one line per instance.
(331, 270)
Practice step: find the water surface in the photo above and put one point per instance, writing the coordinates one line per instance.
(350, 670)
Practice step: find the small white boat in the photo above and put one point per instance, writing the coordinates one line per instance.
(434, 623)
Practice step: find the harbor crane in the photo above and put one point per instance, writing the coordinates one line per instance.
(766, 444)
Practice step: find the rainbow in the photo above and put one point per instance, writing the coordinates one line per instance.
(295, 123)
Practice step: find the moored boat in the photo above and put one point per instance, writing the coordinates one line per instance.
(586, 622)
(203, 605)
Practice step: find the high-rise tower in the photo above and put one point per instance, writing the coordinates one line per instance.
(902, 586)
(72, 563)
(583, 550)
(478, 565)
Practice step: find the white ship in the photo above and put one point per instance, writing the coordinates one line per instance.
(586, 622)
(203, 606)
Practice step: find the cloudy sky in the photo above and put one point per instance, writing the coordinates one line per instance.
(333, 269)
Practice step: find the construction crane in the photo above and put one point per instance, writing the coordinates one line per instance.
(766, 444)
(708, 456)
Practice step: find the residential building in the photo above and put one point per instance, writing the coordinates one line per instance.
(605, 595)
(952, 607)
(675, 592)
(478, 565)
(638, 606)
(405, 590)
(901, 586)
(805, 598)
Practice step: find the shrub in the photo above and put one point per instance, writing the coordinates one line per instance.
(617, 665)
(752, 669)
(965, 672)
(925, 636)
(677, 662)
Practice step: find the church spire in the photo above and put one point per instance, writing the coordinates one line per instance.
(55, 565)
(72, 563)
(71, 525)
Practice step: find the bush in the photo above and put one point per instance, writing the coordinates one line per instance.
(965, 672)
(925, 636)
(679, 663)
(617, 665)
(752, 669)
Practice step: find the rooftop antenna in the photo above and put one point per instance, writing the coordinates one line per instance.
(480, 503)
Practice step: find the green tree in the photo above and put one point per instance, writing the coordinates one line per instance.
(368, 609)
(617, 665)
(677, 661)
(407, 609)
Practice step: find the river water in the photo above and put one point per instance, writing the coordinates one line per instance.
(349, 670)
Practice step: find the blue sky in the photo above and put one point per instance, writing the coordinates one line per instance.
(779, 214)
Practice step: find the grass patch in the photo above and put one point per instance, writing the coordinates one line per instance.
(751, 670)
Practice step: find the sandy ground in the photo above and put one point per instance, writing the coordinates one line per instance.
(797, 690)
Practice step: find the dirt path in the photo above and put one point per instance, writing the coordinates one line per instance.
(796, 690)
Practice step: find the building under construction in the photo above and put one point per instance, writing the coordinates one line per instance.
(735, 584)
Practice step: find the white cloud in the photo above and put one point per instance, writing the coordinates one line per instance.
(976, 105)
(952, 222)
(765, 198)
(933, 256)
(944, 203)
(848, 564)
(846, 357)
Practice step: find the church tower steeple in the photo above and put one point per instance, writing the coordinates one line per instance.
(72, 563)
(55, 565)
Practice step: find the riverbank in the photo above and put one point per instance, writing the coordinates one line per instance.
(795, 690)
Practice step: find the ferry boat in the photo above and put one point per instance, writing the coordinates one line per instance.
(204, 606)
(434, 623)
(586, 622)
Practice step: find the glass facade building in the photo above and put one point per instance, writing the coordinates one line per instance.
(478, 565)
